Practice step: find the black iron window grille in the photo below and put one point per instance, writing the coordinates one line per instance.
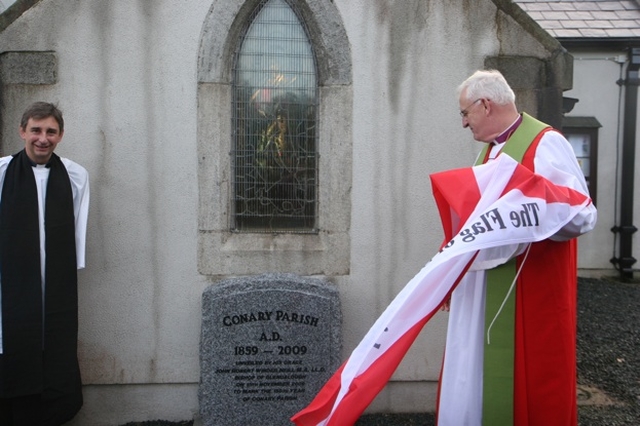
(275, 114)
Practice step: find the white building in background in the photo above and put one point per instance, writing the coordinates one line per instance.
(4, 4)
(602, 117)
(151, 108)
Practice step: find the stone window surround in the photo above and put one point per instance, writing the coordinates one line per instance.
(223, 252)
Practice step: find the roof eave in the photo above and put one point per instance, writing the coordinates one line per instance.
(604, 43)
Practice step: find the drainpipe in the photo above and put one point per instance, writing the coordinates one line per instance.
(626, 229)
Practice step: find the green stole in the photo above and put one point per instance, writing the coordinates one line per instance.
(499, 356)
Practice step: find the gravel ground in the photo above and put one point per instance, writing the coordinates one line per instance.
(608, 344)
(608, 359)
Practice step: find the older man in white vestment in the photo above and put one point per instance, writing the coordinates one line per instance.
(510, 352)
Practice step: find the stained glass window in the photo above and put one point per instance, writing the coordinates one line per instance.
(275, 107)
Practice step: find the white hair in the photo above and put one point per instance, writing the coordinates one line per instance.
(489, 84)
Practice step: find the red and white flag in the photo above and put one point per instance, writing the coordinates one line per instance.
(499, 203)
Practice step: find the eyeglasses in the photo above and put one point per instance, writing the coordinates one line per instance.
(465, 111)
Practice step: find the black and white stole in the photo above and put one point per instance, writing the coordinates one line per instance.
(39, 354)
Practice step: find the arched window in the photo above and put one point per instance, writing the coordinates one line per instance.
(275, 104)
(275, 99)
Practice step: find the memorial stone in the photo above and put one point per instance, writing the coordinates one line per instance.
(268, 344)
